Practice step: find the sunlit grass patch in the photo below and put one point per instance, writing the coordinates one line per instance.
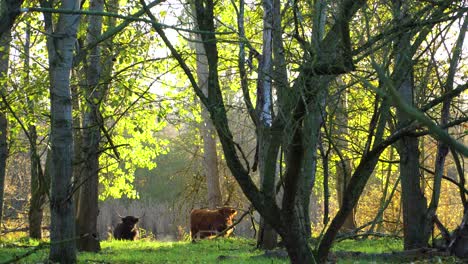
(229, 251)
(233, 250)
(379, 245)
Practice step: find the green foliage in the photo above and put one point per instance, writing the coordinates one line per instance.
(165, 183)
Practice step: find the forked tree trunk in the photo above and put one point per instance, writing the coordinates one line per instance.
(312, 122)
(60, 50)
(88, 211)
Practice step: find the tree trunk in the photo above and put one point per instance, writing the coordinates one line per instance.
(60, 50)
(412, 197)
(88, 211)
(442, 148)
(295, 239)
(341, 182)
(343, 167)
(9, 11)
(296, 243)
(267, 158)
(208, 132)
(3, 158)
(4, 62)
(38, 189)
(459, 244)
(77, 139)
(39, 186)
(312, 123)
(269, 143)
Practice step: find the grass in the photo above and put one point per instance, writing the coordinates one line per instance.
(229, 251)
(232, 250)
(371, 246)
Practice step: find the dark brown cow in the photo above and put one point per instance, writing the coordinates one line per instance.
(127, 230)
(209, 222)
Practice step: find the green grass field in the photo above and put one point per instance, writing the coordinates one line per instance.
(232, 250)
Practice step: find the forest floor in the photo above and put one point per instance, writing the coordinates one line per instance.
(229, 251)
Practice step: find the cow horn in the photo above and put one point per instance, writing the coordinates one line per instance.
(139, 217)
(118, 214)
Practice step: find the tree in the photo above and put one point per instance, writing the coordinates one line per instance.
(60, 46)
(289, 110)
(443, 148)
(4, 61)
(39, 184)
(210, 155)
(93, 91)
(285, 220)
(9, 11)
(343, 166)
(413, 200)
(267, 150)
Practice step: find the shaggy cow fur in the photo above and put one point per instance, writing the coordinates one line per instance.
(208, 222)
(127, 230)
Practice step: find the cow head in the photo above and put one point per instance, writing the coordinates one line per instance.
(228, 213)
(130, 221)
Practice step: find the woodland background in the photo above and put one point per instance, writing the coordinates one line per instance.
(291, 107)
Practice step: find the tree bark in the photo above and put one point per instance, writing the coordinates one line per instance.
(9, 11)
(38, 189)
(88, 210)
(39, 186)
(267, 150)
(4, 62)
(312, 124)
(412, 198)
(208, 132)
(458, 245)
(61, 45)
(343, 167)
(269, 143)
